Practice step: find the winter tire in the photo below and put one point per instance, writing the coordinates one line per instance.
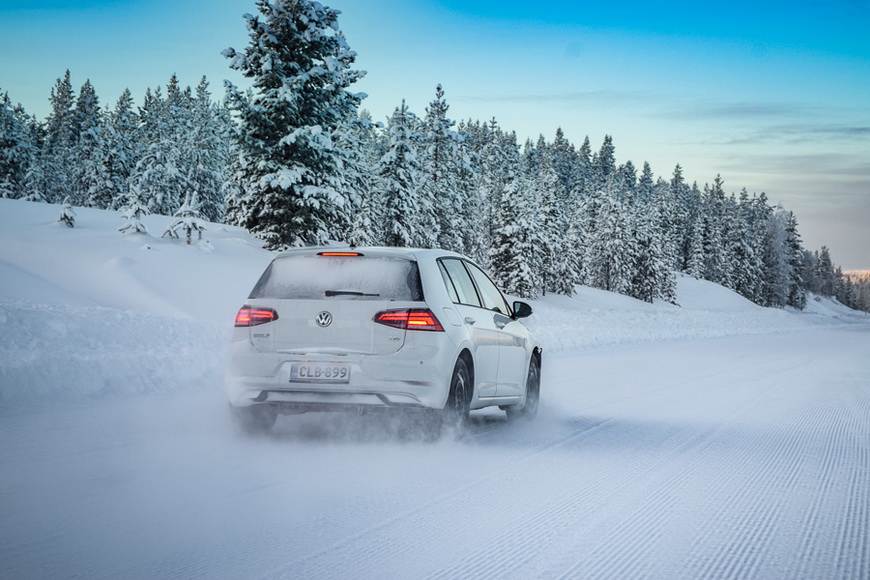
(533, 393)
(451, 420)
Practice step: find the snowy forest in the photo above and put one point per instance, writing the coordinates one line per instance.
(295, 159)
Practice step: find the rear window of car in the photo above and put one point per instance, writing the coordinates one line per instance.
(340, 278)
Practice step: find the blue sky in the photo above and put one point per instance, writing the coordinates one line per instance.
(772, 95)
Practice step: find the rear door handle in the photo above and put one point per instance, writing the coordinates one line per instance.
(469, 320)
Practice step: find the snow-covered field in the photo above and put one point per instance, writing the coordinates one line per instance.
(715, 439)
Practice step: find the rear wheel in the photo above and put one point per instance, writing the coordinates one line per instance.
(533, 393)
(255, 419)
(452, 418)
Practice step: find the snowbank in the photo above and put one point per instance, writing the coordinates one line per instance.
(705, 310)
(87, 313)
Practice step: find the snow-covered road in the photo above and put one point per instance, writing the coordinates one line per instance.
(739, 457)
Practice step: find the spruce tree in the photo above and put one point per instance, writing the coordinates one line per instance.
(16, 148)
(187, 219)
(57, 161)
(67, 213)
(796, 295)
(121, 152)
(133, 210)
(88, 169)
(358, 162)
(514, 243)
(408, 215)
(206, 156)
(442, 162)
(298, 65)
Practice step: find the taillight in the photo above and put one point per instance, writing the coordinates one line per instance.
(251, 316)
(412, 319)
(340, 254)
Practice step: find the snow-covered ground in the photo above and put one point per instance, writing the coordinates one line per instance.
(715, 439)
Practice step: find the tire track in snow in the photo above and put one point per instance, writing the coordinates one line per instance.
(368, 560)
(746, 551)
(548, 526)
(834, 456)
(510, 553)
(625, 551)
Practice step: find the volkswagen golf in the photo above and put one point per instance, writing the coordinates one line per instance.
(364, 329)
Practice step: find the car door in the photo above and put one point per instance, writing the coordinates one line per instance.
(485, 336)
(512, 335)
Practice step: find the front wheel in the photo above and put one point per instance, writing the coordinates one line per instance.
(533, 393)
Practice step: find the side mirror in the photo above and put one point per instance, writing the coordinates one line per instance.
(522, 310)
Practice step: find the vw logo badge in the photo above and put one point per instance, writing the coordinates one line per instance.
(324, 319)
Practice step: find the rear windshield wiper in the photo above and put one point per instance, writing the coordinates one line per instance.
(331, 293)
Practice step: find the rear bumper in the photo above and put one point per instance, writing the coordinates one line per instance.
(418, 377)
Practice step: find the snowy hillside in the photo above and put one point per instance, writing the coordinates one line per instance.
(88, 313)
(715, 439)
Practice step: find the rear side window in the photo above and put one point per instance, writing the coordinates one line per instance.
(340, 278)
(492, 298)
(458, 282)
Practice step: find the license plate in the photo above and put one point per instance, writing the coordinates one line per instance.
(319, 373)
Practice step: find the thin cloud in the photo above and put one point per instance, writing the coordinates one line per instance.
(596, 98)
(797, 134)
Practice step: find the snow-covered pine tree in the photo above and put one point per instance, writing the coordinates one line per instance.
(696, 258)
(89, 147)
(564, 160)
(551, 228)
(235, 200)
(845, 291)
(617, 245)
(16, 148)
(133, 210)
(36, 180)
(358, 161)
(797, 298)
(408, 215)
(627, 174)
(159, 173)
(298, 65)
(514, 243)
(683, 216)
(717, 266)
(206, 155)
(609, 261)
(121, 151)
(808, 271)
(645, 190)
(655, 247)
(665, 208)
(67, 213)
(647, 256)
(442, 166)
(583, 177)
(825, 272)
(499, 162)
(352, 141)
(57, 158)
(187, 219)
(745, 243)
(468, 194)
(603, 163)
(777, 268)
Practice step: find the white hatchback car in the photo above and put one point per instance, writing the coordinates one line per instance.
(378, 329)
